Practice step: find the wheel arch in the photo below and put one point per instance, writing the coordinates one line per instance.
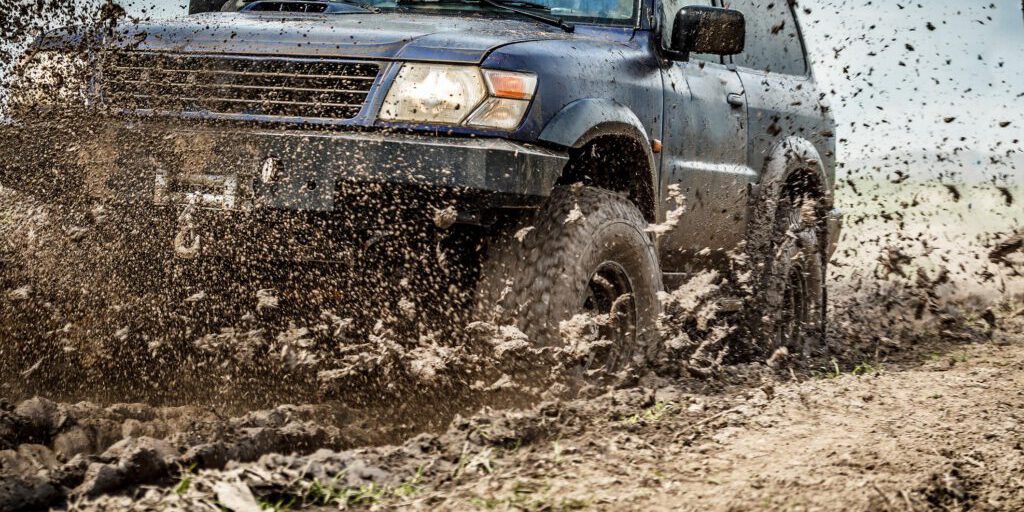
(793, 165)
(590, 126)
(791, 160)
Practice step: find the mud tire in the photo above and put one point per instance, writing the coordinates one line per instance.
(790, 297)
(544, 279)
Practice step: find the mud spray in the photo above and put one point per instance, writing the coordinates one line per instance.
(131, 382)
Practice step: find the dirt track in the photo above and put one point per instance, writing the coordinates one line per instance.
(918, 410)
(935, 428)
(940, 431)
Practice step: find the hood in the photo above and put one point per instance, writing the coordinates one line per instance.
(380, 36)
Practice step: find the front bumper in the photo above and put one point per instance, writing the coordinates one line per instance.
(242, 168)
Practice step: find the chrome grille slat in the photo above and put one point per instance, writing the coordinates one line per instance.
(245, 73)
(235, 100)
(237, 86)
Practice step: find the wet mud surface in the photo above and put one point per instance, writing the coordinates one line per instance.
(913, 408)
(933, 426)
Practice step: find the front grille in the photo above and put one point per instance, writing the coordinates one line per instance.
(236, 86)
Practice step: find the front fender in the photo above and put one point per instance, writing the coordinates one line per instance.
(584, 120)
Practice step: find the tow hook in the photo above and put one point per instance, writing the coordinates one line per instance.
(186, 241)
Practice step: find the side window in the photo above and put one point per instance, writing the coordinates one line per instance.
(773, 39)
(669, 8)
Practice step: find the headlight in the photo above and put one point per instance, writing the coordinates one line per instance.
(445, 94)
(433, 93)
(49, 78)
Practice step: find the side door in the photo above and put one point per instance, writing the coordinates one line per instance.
(782, 99)
(704, 153)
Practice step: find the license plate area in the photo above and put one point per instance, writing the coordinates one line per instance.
(203, 190)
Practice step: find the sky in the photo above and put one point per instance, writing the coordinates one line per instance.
(939, 78)
(917, 77)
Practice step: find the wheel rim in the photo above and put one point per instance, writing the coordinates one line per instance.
(610, 299)
(794, 311)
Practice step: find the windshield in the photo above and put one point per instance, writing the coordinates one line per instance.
(618, 12)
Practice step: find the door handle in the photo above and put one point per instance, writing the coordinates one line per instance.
(736, 100)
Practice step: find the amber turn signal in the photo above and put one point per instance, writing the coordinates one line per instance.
(507, 84)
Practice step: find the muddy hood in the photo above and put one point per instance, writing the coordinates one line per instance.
(399, 36)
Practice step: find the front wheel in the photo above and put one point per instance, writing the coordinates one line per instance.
(585, 252)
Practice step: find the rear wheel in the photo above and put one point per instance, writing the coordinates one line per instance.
(585, 252)
(791, 294)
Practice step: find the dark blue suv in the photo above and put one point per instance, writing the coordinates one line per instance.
(584, 152)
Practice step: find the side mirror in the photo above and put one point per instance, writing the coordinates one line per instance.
(703, 29)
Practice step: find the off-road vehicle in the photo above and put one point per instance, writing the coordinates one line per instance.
(568, 156)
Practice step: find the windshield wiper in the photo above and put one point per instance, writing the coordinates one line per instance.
(504, 5)
(550, 20)
(526, 3)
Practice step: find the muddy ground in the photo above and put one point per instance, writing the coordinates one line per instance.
(916, 406)
(934, 426)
